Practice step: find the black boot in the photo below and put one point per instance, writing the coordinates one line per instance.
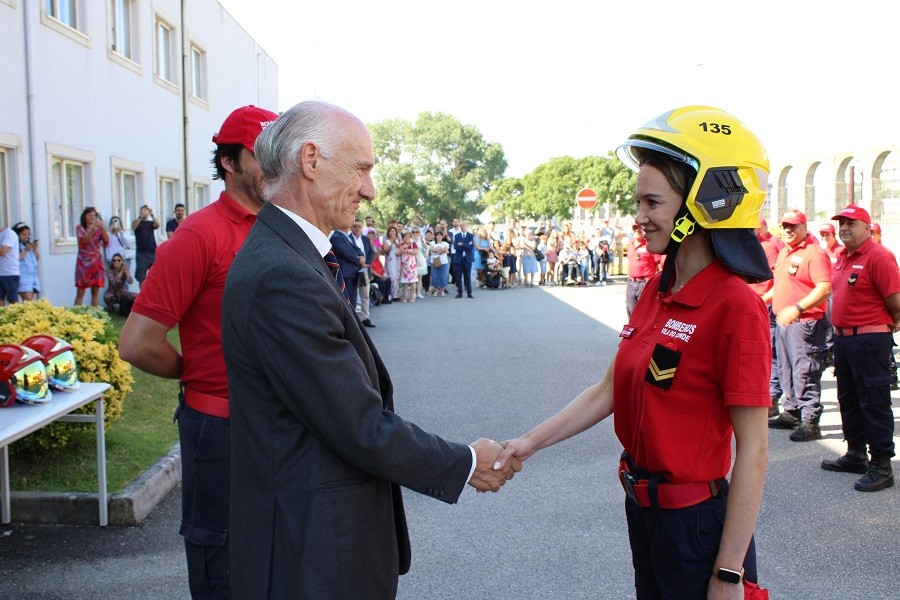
(878, 476)
(789, 419)
(855, 461)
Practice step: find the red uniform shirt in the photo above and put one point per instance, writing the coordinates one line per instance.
(683, 360)
(859, 285)
(797, 272)
(771, 246)
(185, 286)
(834, 253)
(641, 263)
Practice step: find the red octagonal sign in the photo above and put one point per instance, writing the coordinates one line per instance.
(587, 198)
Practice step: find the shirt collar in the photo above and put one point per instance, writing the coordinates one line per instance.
(232, 209)
(701, 285)
(864, 247)
(319, 240)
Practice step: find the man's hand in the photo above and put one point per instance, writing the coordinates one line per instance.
(486, 478)
(787, 316)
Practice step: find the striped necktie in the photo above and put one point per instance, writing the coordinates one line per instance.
(335, 267)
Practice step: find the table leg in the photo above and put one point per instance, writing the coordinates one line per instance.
(101, 462)
(4, 485)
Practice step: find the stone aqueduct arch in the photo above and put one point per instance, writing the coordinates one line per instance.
(871, 198)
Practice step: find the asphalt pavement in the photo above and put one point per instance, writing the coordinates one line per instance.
(494, 366)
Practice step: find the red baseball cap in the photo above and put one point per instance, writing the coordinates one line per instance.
(793, 217)
(852, 211)
(826, 228)
(243, 126)
(875, 227)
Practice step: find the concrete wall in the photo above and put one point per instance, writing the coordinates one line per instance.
(88, 103)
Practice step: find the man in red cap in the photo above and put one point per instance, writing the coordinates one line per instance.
(834, 251)
(185, 288)
(801, 287)
(771, 245)
(866, 312)
(642, 265)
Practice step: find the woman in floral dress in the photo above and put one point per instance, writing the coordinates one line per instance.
(409, 271)
(89, 269)
(391, 260)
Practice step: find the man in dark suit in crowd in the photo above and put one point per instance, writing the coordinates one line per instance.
(351, 259)
(318, 452)
(365, 275)
(463, 257)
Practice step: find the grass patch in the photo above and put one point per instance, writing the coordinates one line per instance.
(133, 443)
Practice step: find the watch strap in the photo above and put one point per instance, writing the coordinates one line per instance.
(728, 575)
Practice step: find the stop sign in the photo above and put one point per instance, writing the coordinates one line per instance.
(587, 198)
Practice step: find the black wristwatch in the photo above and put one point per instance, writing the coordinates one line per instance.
(727, 575)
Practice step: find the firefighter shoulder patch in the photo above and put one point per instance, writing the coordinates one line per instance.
(661, 371)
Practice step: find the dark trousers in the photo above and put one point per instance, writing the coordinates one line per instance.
(463, 272)
(801, 360)
(862, 369)
(145, 260)
(774, 381)
(673, 551)
(350, 289)
(205, 488)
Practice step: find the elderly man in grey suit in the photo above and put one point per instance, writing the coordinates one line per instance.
(318, 453)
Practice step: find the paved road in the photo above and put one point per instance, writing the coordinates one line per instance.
(494, 366)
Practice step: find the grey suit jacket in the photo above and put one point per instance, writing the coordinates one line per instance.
(317, 451)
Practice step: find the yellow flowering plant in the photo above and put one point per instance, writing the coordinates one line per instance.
(95, 342)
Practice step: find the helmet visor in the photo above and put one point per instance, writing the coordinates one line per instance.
(62, 371)
(31, 383)
(630, 153)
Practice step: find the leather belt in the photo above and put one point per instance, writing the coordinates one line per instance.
(848, 331)
(210, 405)
(668, 495)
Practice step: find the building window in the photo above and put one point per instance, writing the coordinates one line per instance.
(127, 199)
(4, 187)
(69, 192)
(124, 20)
(198, 73)
(168, 198)
(67, 12)
(166, 51)
(201, 196)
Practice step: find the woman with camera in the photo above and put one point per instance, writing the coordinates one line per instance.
(89, 263)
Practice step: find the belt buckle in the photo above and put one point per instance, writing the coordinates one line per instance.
(628, 482)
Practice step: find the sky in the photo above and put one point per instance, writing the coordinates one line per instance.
(576, 77)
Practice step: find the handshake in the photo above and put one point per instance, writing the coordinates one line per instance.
(495, 464)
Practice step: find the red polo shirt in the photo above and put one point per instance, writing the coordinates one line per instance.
(798, 270)
(185, 287)
(641, 263)
(834, 253)
(771, 246)
(860, 283)
(683, 360)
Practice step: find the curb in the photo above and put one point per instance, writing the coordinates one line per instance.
(127, 508)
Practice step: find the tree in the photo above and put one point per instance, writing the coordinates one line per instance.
(437, 167)
(550, 189)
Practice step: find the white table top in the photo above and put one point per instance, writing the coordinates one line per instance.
(19, 420)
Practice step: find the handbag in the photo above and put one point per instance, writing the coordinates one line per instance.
(436, 262)
(538, 255)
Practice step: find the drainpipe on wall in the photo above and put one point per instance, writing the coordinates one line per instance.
(33, 157)
(184, 111)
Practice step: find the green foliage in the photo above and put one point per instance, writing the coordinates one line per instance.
(95, 342)
(550, 189)
(437, 168)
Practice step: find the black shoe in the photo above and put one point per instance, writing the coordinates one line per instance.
(878, 476)
(368, 323)
(855, 461)
(385, 302)
(807, 432)
(469, 295)
(773, 409)
(459, 295)
(785, 420)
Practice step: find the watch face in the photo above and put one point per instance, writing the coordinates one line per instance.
(729, 576)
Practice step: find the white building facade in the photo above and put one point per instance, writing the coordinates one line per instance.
(113, 104)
